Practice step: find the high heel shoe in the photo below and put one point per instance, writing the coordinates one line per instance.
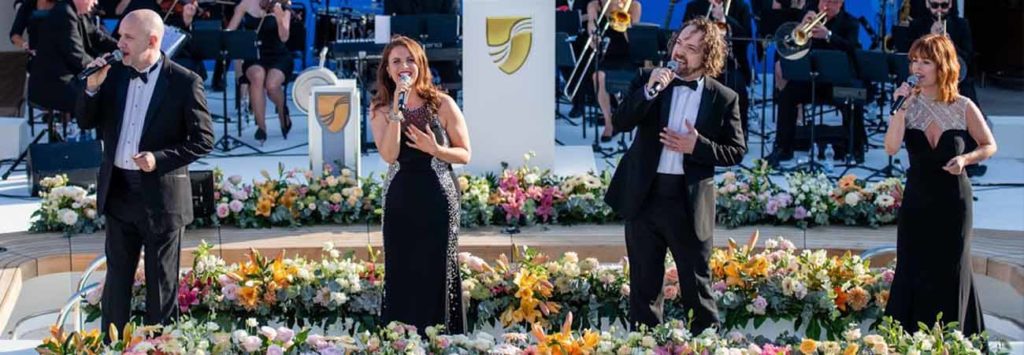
(261, 135)
(286, 121)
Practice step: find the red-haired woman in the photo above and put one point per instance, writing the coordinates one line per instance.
(419, 140)
(933, 270)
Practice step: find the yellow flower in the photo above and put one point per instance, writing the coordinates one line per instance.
(858, 298)
(733, 275)
(248, 296)
(264, 206)
(882, 298)
(758, 266)
(848, 181)
(808, 346)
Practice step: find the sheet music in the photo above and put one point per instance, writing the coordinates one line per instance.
(172, 41)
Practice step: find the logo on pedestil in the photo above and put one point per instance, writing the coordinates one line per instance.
(509, 39)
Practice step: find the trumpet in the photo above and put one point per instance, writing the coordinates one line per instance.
(618, 20)
(792, 38)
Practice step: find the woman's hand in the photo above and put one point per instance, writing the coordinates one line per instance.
(278, 10)
(421, 140)
(956, 165)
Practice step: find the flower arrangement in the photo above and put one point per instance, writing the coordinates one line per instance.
(750, 197)
(189, 336)
(65, 208)
(516, 197)
(778, 282)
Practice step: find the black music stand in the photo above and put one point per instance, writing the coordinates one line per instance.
(564, 58)
(898, 65)
(874, 68)
(804, 69)
(227, 46)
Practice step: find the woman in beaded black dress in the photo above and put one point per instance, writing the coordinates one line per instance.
(933, 235)
(419, 141)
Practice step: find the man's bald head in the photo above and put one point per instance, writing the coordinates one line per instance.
(145, 22)
(141, 33)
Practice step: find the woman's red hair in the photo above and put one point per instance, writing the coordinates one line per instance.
(939, 49)
(423, 86)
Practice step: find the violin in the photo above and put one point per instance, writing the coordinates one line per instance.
(176, 7)
(170, 7)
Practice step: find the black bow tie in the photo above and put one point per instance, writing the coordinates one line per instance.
(141, 75)
(690, 84)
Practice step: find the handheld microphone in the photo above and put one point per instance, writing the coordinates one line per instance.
(654, 91)
(896, 106)
(401, 96)
(109, 57)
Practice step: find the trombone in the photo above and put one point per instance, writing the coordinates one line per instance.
(618, 20)
(792, 38)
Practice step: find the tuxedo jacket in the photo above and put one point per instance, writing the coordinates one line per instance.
(720, 143)
(177, 130)
(67, 43)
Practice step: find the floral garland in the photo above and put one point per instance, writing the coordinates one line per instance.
(190, 336)
(778, 282)
(516, 197)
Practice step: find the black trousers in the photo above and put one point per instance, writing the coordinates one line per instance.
(128, 232)
(797, 93)
(660, 226)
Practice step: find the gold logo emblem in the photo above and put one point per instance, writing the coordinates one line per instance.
(509, 39)
(332, 110)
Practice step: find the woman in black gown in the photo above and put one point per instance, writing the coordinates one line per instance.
(419, 141)
(268, 74)
(933, 267)
(616, 55)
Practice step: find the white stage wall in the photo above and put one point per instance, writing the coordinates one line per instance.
(508, 63)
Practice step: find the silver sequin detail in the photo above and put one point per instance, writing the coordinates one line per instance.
(392, 171)
(454, 313)
(923, 111)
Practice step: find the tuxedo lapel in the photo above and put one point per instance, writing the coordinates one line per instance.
(159, 91)
(707, 100)
(120, 97)
(665, 100)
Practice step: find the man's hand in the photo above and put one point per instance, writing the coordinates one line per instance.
(718, 11)
(660, 75)
(819, 32)
(146, 161)
(93, 82)
(680, 142)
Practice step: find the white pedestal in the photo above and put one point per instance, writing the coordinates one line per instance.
(14, 136)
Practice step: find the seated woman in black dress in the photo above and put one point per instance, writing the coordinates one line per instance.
(29, 15)
(419, 141)
(616, 56)
(933, 236)
(270, 72)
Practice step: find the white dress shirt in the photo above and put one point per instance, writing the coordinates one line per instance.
(685, 104)
(135, 106)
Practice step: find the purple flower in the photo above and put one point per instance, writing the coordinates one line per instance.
(222, 210)
(285, 335)
(758, 305)
(718, 286)
(772, 208)
(800, 212)
(275, 350)
(888, 275)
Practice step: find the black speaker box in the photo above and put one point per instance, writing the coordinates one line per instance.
(79, 160)
(202, 193)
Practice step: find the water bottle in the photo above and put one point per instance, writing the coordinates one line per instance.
(829, 155)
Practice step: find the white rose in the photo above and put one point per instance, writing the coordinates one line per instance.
(531, 178)
(251, 322)
(648, 342)
(852, 198)
(68, 217)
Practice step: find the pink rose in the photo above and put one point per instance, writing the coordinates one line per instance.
(671, 292)
(672, 275)
(275, 350)
(222, 210)
(252, 343)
